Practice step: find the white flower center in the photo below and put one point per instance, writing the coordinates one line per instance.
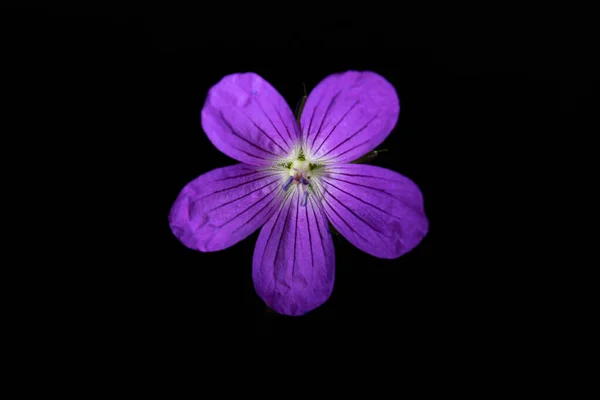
(299, 170)
(299, 175)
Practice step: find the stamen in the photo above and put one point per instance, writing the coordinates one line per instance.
(287, 183)
(304, 198)
(304, 181)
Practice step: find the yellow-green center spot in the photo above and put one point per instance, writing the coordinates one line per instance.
(300, 167)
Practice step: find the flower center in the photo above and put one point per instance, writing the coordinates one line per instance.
(299, 175)
(299, 170)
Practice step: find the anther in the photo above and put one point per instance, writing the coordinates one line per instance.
(287, 183)
(304, 198)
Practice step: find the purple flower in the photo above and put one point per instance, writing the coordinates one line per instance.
(294, 179)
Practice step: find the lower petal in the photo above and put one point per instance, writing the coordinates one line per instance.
(223, 206)
(377, 210)
(294, 261)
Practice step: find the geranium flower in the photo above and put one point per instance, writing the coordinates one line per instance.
(294, 177)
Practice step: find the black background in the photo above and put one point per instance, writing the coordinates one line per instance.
(125, 90)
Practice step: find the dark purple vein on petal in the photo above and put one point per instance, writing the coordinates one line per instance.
(249, 207)
(336, 125)
(237, 176)
(285, 125)
(352, 148)
(251, 155)
(334, 170)
(235, 186)
(312, 260)
(270, 235)
(342, 219)
(287, 216)
(272, 124)
(352, 212)
(259, 211)
(243, 138)
(351, 136)
(368, 187)
(311, 121)
(318, 229)
(296, 232)
(364, 176)
(266, 134)
(362, 201)
(245, 195)
(331, 103)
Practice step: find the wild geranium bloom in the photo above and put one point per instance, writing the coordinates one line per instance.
(294, 178)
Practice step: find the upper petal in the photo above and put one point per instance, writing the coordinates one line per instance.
(348, 114)
(223, 206)
(247, 119)
(377, 210)
(294, 260)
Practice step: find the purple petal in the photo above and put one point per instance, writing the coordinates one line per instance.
(348, 114)
(223, 206)
(247, 119)
(377, 210)
(294, 261)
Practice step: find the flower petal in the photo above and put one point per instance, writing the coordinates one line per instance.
(348, 114)
(223, 206)
(377, 210)
(247, 119)
(294, 260)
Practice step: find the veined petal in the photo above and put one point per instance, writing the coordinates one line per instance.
(223, 206)
(348, 114)
(377, 210)
(247, 119)
(294, 261)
